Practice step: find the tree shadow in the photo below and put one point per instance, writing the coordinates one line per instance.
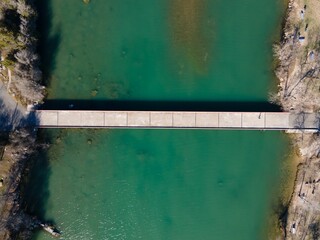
(11, 20)
(4, 137)
(49, 40)
(17, 133)
(307, 121)
(11, 119)
(35, 193)
(35, 186)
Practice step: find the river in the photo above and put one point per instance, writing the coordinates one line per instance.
(158, 184)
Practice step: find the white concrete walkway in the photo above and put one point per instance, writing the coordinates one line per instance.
(150, 119)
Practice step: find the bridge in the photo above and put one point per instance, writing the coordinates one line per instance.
(177, 119)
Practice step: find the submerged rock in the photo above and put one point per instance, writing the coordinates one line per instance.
(94, 92)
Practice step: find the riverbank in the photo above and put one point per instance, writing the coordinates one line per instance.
(116, 88)
(298, 71)
(16, 146)
(19, 86)
(14, 222)
(20, 63)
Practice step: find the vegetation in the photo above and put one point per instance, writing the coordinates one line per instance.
(18, 49)
(18, 54)
(14, 223)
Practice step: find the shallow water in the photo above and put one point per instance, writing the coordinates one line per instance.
(158, 184)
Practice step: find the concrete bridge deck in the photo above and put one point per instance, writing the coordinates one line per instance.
(152, 119)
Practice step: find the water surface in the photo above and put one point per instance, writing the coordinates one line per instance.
(158, 184)
(195, 50)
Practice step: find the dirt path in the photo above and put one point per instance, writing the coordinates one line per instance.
(9, 76)
(11, 113)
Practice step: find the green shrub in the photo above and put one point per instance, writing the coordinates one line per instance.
(7, 40)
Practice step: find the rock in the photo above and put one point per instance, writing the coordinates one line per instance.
(58, 140)
(94, 92)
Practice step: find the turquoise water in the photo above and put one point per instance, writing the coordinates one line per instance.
(158, 184)
(132, 50)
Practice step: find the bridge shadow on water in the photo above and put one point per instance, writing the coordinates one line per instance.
(138, 105)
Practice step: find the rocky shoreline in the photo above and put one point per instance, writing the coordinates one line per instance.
(18, 48)
(20, 76)
(298, 72)
(14, 222)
